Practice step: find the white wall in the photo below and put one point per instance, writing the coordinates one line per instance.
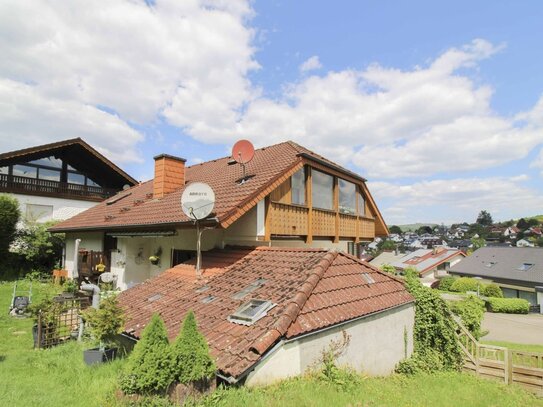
(62, 208)
(377, 344)
(89, 241)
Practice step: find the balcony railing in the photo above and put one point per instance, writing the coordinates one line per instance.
(34, 186)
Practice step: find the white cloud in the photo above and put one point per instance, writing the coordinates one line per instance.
(310, 64)
(538, 162)
(185, 59)
(460, 199)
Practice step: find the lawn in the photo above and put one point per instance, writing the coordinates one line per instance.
(58, 377)
(515, 346)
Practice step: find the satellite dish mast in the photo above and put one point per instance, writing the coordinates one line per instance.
(243, 152)
(197, 202)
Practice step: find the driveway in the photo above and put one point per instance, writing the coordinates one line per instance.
(526, 329)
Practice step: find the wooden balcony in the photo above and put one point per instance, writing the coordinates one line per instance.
(33, 186)
(294, 220)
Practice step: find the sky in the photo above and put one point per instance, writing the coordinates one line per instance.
(438, 104)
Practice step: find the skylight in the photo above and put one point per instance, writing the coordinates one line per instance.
(251, 311)
(490, 264)
(208, 299)
(369, 279)
(525, 266)
(259, 282)
(154, 297)
(117, 198)
(202, 289)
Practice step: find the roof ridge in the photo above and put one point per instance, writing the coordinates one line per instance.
(372, 267)
(293, 307)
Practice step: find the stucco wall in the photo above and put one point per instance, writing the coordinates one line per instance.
(243, 232)
(62, 208)
(89, 241)
(377, 344)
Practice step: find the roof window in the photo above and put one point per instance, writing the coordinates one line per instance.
(525, 266)
(251, 311)
(208, 299)
(369, 279)
(117, 198)
(202, 289)
(259, 282)
(490, 264)
(154, 297)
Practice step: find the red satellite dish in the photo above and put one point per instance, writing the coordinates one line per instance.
(243, 151)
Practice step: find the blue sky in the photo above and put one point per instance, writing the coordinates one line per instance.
(438, 104)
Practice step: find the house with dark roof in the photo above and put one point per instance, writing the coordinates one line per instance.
(60, 180)
(518, 271)
(286, 196)
(269, 312)
(430, 263)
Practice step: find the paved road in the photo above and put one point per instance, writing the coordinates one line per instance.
(526, 329)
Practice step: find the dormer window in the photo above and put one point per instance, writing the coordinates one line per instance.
(251, 311)
(525, 266)
(347, 197)
(322, 190)
(298, 187)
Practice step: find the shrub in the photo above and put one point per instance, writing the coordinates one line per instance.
(149, 367)
(463, 284)
(446, 282)
(493, 290)
(508, 305)
(421, 362)
(190, 354)
(9, 216)
(471, 311)
(434, 328)
(388, 268)
(105, 322)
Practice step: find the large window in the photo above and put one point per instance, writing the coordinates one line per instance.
(50, 175)
(361, 204)
(347, 197)
(25, 171)
(322, 190)
(36, 212)
(298, 187)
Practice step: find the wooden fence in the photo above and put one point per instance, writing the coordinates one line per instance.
(502, 364)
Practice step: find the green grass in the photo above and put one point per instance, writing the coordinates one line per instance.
(58, 377)
(516, 346)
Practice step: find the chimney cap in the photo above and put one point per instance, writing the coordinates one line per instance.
(171, 157)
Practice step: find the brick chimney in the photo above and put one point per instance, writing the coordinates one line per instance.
(169, 174)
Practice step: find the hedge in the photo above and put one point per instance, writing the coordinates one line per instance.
(508, 305)
(493, 290)
(471, 311)
(463, 284)
(446, 282)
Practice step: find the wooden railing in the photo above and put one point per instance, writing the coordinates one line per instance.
(288, 219)
(24, 185)
(324, 223)
(499, 363)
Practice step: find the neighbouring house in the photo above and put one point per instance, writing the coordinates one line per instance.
(59, 180)
(524, 243)
(518, 271)
(269, 312)
(430, 263)
(511, 232)
(386, 257)
(290, 197)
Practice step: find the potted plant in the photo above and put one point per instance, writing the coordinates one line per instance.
(103, 324)
(155, 258)
(100, 267)
(69, 289)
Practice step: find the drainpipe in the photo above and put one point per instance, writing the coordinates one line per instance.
(75, 273)
(95, 290)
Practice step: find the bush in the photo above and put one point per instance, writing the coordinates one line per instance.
(105, 322)
(508, 305)
(388, 268)
(446, 282)
(421, 362)
(493, 290)
(149, 367)
(434, 328)
(471, 311)
(190, 354)
(463, 284)
(9, 216)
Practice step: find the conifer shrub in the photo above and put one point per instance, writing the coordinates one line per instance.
(463, 284)
(149, 367)
(493, 290)
(446, 282)
(190, 354)
(471, 311)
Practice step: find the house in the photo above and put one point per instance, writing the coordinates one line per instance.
(430, 263)
(269, 312)
(511, 232)
(524, 243)
(386, 257)
(518, 271)
(59, 180)
(287, 196)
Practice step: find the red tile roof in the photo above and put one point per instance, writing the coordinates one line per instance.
(137, 208)
(312, 289)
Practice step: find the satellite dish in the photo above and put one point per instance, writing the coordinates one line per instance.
(125, 187)
(107, 277)
(243, 151)
(198, 200)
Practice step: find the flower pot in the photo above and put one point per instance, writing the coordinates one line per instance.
(97, 355)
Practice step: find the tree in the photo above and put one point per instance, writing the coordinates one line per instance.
(478, 243)
(522, 224)
(484, 218)
(395, 229)
(149, 367)
(387, 245)
(9, 217)
(424, 229)
(190, 354)
(532, 222)
(388, 268)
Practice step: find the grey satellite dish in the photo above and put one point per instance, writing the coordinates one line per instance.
(125, 187)
(107, 277)
(197, 201)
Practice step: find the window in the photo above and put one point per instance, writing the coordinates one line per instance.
(154, 297)
(528, 296)
(208, 299)
(361, 204)
(25, 171)
(322, 190)
(74, 178)
(48, 162)
(37, 212)
(49, 175)
(251, 311)
(490, 264)
(347, 197)
(259, 282)
(525, 266)
(298, 187)
(369, 279)
(351, 248)
(4, 170)
(91, 183)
